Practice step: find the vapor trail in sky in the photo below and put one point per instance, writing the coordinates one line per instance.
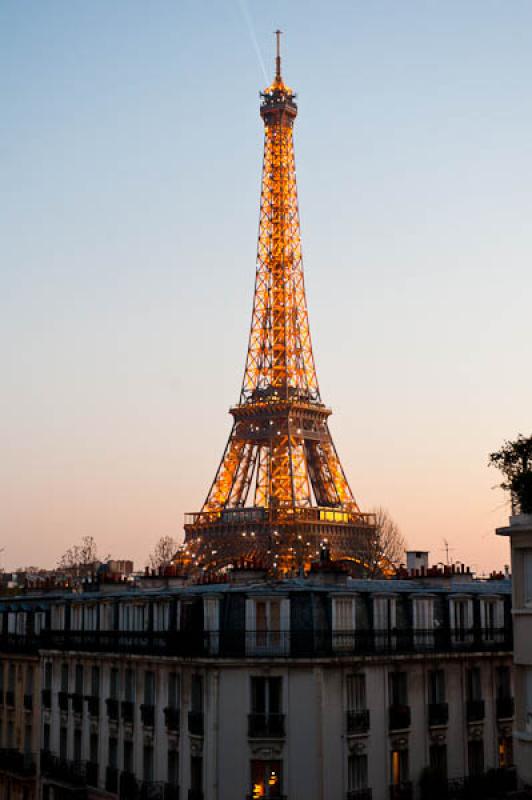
(249, 22)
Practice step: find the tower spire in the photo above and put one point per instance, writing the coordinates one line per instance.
(278, 77)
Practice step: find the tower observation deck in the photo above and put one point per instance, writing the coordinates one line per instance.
(280, 492)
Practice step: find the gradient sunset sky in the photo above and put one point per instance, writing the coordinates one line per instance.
(130, 157)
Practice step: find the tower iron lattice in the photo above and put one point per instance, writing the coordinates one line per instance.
(280, 492)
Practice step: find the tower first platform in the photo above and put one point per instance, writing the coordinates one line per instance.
(280, 492)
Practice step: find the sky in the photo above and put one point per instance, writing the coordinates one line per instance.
(130, 160)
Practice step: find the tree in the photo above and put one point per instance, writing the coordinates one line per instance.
(80, 557)
(514, 460)
(163, 552)
(385, 545)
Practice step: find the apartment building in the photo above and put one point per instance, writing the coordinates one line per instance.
(320, 687)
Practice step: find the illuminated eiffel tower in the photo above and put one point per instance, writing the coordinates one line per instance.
(280, 492)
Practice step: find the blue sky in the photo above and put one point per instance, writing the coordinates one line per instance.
(130, 157)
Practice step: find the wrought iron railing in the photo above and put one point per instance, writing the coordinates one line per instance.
(298, 643)
(172, 718)
(505, 707)
(475, 710)
(266, 726)
(357, 721)
(438, 714)
(195, 723)
(398, 717)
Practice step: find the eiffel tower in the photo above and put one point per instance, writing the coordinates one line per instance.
(280, 493)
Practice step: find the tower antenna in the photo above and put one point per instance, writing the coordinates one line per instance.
(278, 57)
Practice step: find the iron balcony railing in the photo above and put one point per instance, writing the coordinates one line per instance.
(147, 713)
(438, 714)
(171, 791)
(401, 791)
(398, 717)
(495, 783)
(17, 763)
(93, 705)
(91, 771)
(172, 718)
(266, 726)
(359, 794)
(46, 698)
(111, 779)
(475, 710)
(358, 721)
(505, 707)
(127, 711)
(296, 643)
(195, 723)
(112, 708)
(61, 769)
(77, 702)
(62, 700)
(28, 702)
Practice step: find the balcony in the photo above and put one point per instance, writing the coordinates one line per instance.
(438, 714)
(359, 794)
(62, 770)
(296, 643)
(195, 794)
(128, 786)
(112, 708)
(398, 717)
(91, 771)
(127, 711)
(46, 698)
(401, 791)
(62, 700)
(147, 713)
(266, 726)
(505, 708)
(496, 783)
(111, 780)
(28, 702)
(93, 705)
(195, 723)
(172, 718)
(77, 703)
(475, 710)
(10, 698)
(357, 721)
(170, 792)
(21, 764)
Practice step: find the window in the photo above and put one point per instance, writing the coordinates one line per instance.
(148, 763)
(90, 617)
(527, 576)
(28, 739)
(133, 617)
(64, 677)
(399, 766)
(506, 751)
(423, 622)
(46, 737)
(78, 679)
(149, 688)
(196, 774)
(266, 695)
(436, 686)
(173, 767)
(58, 618)
(11, 678)
(211, 622)
(266, 779)
(39, 621)
(267, 624)
(356, 692)
(438, 760)
(475, 756)
(357, 772)
(10, 734)
(161, 616)
(473, 684)
(128, 756)
(76, 615)
(398, 689)
(63, 743)
(196, 693)
(95, 681)
(492, 619)
(113, 752)
(48, 675)
(93, 748)
(503, 682)
(173, 690)
(28, 689)
(528, 699)
(343, 622)
(129, 686)
(113, 683)
(77, 745)
(384, 622)
(461, 613)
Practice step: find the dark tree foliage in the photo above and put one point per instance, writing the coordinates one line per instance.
(514, 460)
